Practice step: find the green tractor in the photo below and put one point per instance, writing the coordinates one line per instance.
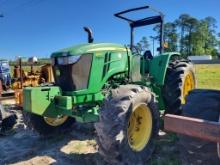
(116, 87)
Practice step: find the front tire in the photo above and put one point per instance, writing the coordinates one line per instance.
(46, 126)
(128, 126)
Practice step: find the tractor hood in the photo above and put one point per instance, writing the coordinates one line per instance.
(88, 48)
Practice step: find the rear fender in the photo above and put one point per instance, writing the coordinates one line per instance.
(157, 70)
(158, 67)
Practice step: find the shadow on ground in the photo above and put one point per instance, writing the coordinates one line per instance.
(23, 146)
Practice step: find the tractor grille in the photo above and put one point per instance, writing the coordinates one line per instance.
(75, 76)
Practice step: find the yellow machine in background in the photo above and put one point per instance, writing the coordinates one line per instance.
(32, 78)
(12, 94)
(45, 75)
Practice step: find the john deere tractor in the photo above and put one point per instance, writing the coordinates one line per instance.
(116, 87)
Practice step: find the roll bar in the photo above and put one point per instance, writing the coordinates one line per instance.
(143, 22)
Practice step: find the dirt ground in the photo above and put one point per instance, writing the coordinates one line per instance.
(25, 147)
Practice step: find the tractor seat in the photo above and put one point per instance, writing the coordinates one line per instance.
(148, 55)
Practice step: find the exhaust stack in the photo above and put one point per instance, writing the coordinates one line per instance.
(90, 37)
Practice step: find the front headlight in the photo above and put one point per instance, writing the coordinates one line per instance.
(72, 59)
(66, 60)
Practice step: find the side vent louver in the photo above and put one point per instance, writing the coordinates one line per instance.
(107, 61)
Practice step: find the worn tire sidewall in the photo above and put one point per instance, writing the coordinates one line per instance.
(141, 98)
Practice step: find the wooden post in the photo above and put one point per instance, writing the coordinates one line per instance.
(203, 129)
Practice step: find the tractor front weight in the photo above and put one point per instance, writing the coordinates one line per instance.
(49, 102)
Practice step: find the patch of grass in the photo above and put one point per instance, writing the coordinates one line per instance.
(208, 76)
(167, 152)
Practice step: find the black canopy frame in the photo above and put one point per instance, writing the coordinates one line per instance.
(144, 22)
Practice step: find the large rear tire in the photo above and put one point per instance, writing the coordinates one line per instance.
(179, 81)
(128, 126)
(48, 126)
(202, 104)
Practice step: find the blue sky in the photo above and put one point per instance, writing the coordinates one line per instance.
(39, 27)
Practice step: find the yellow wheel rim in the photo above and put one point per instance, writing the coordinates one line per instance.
(139, 127)
(55, 121)
(188, 85)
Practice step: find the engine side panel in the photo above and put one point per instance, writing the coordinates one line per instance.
(105, 64)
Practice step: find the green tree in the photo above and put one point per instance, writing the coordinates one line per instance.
(142, 45)
(181, 22)
(188, 26)
(170, 36)
(191, 36)
(199, 38)
(192, 24)
(211, 41)
(218, 42)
